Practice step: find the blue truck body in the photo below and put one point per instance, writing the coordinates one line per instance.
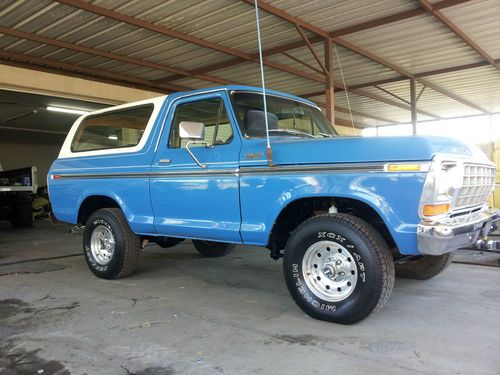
(238, 197)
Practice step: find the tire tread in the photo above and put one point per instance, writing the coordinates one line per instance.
(376, 241)
(131, 240)
(425, 268)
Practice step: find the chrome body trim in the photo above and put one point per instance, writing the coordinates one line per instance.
(326, 168)
(336, 168)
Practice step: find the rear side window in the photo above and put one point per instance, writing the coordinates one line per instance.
(114, 129)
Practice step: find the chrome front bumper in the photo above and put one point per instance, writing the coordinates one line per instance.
(452, 234)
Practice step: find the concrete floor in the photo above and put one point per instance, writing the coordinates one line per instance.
(184, 314)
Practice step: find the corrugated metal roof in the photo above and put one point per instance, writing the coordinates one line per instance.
(417, 44)
(480, 85)
(480, 20)
(334, 15)
(356, 69)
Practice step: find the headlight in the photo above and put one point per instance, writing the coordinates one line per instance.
(441, 186)
(448, 182)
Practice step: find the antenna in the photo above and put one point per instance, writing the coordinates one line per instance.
(269, 151)
(345, 86)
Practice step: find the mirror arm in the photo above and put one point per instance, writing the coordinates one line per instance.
(191, 153)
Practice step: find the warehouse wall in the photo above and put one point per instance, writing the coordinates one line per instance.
(26, 80)
(25, 150)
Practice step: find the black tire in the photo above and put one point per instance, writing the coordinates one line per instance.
(367, 261)
(166, 242)
(126, 244)
(212, 249)
(424, 267)
(22, 213)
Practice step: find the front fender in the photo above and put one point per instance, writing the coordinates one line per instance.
(394, 196)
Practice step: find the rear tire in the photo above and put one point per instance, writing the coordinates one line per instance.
(22, 213)
(211, 249)
(110, 247)
(423, 268)
(338, 268)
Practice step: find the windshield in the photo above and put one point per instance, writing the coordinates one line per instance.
(285, 117)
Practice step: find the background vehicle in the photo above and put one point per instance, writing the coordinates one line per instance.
(346, 213)
(17, 187)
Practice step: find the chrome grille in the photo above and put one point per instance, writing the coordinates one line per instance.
(477, 185)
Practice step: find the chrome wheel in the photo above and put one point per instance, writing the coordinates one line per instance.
(102, 244)
(329, 271)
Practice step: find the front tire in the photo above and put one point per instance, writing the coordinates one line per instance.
(111, 248)
(338, 268)
(424, 267)
(211, 249)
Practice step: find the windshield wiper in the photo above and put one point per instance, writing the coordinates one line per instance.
(292, 132)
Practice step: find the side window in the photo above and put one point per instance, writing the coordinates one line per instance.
(212, 113)
(116, 129)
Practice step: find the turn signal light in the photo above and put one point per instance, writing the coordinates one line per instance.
(436, 209)
(403, 167)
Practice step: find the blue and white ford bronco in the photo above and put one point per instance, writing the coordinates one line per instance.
(347, 214)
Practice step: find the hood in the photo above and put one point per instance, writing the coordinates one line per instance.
(288, 150)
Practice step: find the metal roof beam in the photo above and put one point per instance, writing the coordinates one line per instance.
(432, 9)
(301, 62)
(78, 4)
(392, 94)
(448, 3)
(284, 15)
(311, 49)
(191, 39)
(315, 39)
(378, 22)
(356, 113)
(288, 17)
(93, 51)
(403, 78)
(109, 55)
(407, 74)
(40, 63)
(393, 102)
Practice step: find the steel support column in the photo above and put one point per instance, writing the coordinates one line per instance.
(329, 84)
(413, 105)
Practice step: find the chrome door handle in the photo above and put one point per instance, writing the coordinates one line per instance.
(164, 161)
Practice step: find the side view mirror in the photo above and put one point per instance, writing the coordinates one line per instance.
(195, 133)
(191, 130)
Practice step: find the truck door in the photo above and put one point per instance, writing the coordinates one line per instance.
(188, 200)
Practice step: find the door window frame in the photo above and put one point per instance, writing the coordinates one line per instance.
(222, 94)
(213, 144)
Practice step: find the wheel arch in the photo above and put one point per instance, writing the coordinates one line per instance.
(302, 208)
(94, 202)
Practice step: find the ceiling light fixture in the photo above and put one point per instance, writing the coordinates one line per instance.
(74, 111)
